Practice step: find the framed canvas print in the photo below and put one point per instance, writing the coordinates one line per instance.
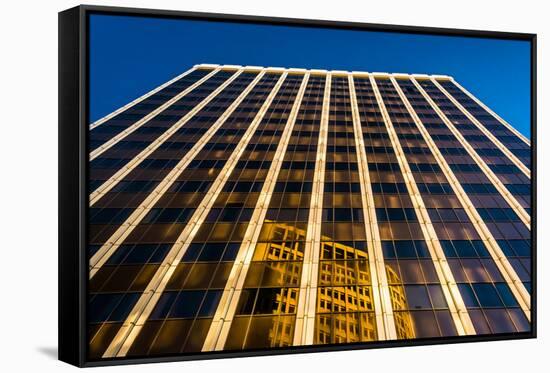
(236, 186)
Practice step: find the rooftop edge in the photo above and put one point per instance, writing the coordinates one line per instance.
(321, 71)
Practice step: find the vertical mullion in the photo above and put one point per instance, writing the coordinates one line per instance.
(225, 312)
(97, 194)
(524, 169)
(117, 138)
(307, 297)
(508, 273)
(126, 228)
(141, 311)
(385, 322)
(452, 295)
(443, 273)
(512, 201)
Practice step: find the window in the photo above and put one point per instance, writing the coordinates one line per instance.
(243, 186)
(395, 214)
(435, 188)
(468, 296)
(168, 215)
(487, 295)
(448, 215)
(515, 247)
(384, 167)
(417, 297)
(506, 295)
(190, 186)
(520, 189)
(405, 249)
(497, 214)
(479, 188)
(187, 304)
(111, 307)
(389, 188)
(342, 214)
(342, 187)
(464, 248)
(109, 215)
(290, 186)
(229, 214)
(158, 163)
(267, 301)
(424, 167)
(139, 254)
(211, 252)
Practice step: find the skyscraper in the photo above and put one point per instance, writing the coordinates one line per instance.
(246, 207)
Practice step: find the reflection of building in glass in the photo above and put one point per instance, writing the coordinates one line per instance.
(247, 207)
(278, 263)
(403, 322)
(345, 305)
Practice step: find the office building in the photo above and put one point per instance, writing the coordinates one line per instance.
(246, 208)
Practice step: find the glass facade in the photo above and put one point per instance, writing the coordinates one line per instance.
(248, 208)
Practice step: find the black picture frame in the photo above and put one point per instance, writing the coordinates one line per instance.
(73, 175)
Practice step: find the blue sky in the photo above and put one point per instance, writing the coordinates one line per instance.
(131, 55)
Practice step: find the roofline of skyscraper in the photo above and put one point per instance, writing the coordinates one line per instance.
(321, 72)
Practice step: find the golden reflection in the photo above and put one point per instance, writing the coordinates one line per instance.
(345, 308)
(344, 313)
(270, 297)
(403, 320)
(344, 299)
